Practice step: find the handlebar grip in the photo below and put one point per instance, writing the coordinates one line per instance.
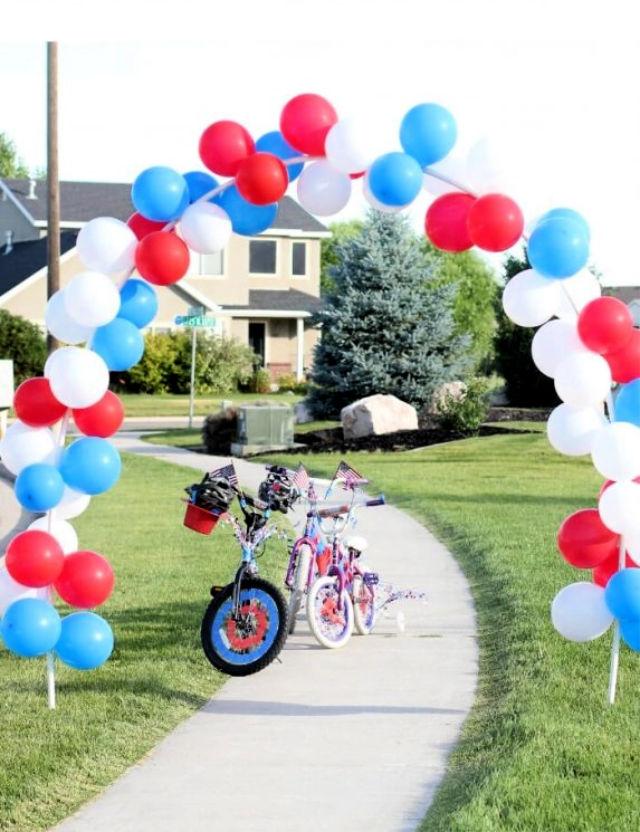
(333, 512)
(376, 501)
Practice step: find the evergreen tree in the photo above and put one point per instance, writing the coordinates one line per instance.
(387, 325)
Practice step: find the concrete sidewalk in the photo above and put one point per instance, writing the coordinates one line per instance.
(346, 739)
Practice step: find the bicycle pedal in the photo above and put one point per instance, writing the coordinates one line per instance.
(371, 578)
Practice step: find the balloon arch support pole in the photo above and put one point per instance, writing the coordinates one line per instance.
(615, 644)
(50, 658)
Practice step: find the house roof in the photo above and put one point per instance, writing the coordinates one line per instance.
(626, 294)
(288, 300)
(27, 258)
(83, 201)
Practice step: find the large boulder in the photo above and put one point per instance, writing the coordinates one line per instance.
(375, 415)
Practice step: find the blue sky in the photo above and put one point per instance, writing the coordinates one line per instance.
(551, 86)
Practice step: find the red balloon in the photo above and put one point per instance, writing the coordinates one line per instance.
(141, 226)
(35, 404)
(86, 580)
(609, 567)
(446, 222)
(224, 145)
(605, 325)
(357, 175)
(162, 258)
(305, 122)
(584, 541)
(495, 222)
(101, 419)
(34, 558)
(625, 363)
(262, 179)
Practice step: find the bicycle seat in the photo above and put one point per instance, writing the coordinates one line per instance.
(357, 542)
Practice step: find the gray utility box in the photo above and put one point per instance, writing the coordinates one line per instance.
(263, 427)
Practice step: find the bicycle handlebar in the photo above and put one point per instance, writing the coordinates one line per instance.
(338, 511)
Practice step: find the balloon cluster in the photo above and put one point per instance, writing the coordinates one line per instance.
(588, 344)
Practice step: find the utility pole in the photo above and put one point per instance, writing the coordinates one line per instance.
(53, 187)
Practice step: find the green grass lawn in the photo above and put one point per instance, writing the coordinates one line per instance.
(186, 438)
(51, 762)
(143, 404)
(541, 750)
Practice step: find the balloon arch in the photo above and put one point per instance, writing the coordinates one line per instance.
(585, 342)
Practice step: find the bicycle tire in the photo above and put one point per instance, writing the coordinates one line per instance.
(303, 562)
(315, 616)
(364, 617)
(217, 641)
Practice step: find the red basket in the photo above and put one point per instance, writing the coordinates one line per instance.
(199, 519)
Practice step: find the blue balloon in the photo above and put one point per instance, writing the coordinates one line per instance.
(160, 194)
(86, 641)
(90, 465)
(395, 179)
(274, 142)
(200, 183)
(246, 219)
(138, 302)
(428, 132)
(558, 248)
(627, 405)
(570, 214)
(622, 594)
(630, 632)
(119, 343)
(30, 627)
(39, 487)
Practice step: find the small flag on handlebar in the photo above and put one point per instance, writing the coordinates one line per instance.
(301, 478)
(228, 472)
(350, 476)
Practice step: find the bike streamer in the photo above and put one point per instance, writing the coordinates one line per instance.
(585, 343)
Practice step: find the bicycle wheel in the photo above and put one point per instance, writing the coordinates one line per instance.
(247, 645)
(299, 584)
(364, 608)
(330, 614)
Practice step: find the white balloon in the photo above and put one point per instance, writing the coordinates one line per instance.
(348, 146)
(78, 377)
(374, 203)
(72, 504)
(633, 548)
(61, 325)
(91, 299)
(575, 293)
(485, 168)
(616, 451)
(450, 167)
(530, 299)
(106, 244)
(205, 227)
(580, 613)
(583, 379)
(553, 342)
(572, 430)
(63, 532)
(11, 590)
(322, 189)
(22, 446)
(618, 507)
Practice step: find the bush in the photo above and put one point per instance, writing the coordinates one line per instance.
(219, 431)
(22, 341)
(465, 414)
(260, 381)
(221, 365)
(287, 382)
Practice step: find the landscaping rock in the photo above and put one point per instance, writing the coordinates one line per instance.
(377, 415)
(302, 414)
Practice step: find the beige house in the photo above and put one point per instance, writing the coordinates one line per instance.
(261, 290)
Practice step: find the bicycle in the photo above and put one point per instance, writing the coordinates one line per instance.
(245, 625)
(345, 596)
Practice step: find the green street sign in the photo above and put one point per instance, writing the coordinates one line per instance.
(196, 321)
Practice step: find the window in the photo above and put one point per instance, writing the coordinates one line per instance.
(212, 264)
(262, 256)
(298, 259)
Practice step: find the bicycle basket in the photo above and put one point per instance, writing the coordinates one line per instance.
(200, 520)
(208, 500)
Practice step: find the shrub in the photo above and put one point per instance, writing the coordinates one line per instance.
(219, 431)
(260, 381)
(465, 414)
(22, 341)
(287, 382)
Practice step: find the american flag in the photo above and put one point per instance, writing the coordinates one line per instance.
(301, 478)
(350, 476)
(228, 472)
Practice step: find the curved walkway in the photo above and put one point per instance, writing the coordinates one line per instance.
(347, 739)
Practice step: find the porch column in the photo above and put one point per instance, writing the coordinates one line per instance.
(300, 349)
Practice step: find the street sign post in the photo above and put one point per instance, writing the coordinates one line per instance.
(195, 319)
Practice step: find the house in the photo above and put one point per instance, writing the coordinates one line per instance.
(262, 291)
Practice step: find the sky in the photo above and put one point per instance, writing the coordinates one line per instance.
(549, 89)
